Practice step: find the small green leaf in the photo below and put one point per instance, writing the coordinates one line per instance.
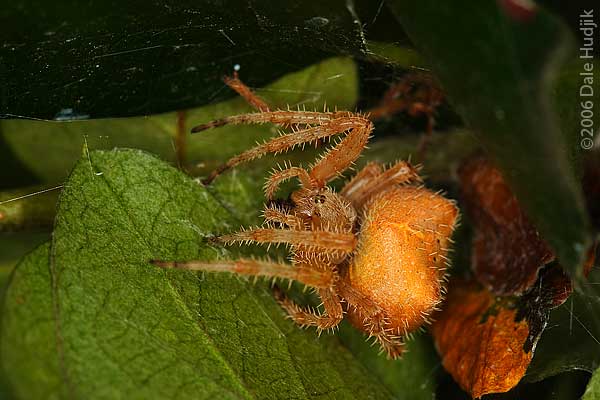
(89, 318)
(498, 69)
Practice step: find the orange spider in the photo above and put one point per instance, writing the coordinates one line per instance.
(375, 251)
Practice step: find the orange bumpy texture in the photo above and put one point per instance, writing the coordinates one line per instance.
(401, 256)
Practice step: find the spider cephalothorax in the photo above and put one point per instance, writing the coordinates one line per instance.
(375, 251)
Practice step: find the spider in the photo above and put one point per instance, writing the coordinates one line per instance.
(374, 252)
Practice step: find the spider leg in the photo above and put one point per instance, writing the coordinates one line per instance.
(335, 160)
(251, 98)
(362, 178)
(321, 125)
(338, 158)
(304, 316)
(324, 240)
(278, 177)
(255, 101)
(274, 214)
(324, 170)
(279, 144)
(366, 307)
(368, 183)
(303, 274)
(373, 319)
(279, 117)
(391, 344)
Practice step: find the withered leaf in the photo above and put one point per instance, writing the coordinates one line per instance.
(507, 249)
(487, 342)
(480, 342)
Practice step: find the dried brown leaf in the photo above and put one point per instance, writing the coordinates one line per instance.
(487, 342)
(508, 251)
(480, 342)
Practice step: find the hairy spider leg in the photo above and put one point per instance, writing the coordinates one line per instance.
(278, 144)
(258, 103)
(305, 316)
(315, 239)
(373, 179)
(368, 172)
(335, 160)
(251, 98)
(277, 177)
(371, 317)
(317, 278)
(273, 214)
(341, 156)
(248, 94)
(391, 344)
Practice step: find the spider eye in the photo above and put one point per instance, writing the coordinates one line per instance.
(319, 199)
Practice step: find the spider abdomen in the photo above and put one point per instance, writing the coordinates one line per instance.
(402, 253)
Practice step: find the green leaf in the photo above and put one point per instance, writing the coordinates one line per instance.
(593, 389)
(414, 377)
(499, 70)
(28, 346)
(13, 246)
(333, 81)
(88, 317)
